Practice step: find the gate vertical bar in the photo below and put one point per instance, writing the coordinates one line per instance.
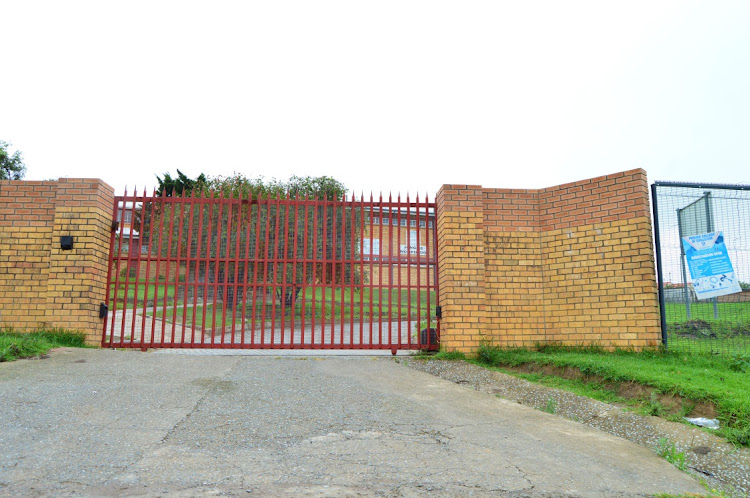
(324, 288)
(398, 259)
(217, 261)
(236, 261)
(198, 258)
(314, 272)
(427, 268)
(148, 268)
(181, 223)
(274, 285)
(351, 258)
(207, 267)
(245, 262)
(265, 271)
(361, 267)
(305, 260)
(284, 267)
(158, 272)
(138, 263)
(110, 264)
(408, 269)
(295, 258)
(434, 256)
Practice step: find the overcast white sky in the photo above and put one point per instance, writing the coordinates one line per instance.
(385, 95)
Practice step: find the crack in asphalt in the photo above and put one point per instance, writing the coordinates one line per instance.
(209, 390)
(128, 469)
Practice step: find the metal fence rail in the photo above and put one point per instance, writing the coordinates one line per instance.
(206, 271)
(702, 235)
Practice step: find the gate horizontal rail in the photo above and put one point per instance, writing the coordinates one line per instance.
(208, 271)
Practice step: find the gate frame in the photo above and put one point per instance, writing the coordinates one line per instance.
(395, 209)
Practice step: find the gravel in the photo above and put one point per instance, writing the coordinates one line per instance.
(722, 465)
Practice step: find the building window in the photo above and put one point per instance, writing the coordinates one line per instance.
(403, 222)
(386, 221)
(430, 224)
(421, 224)
(412, 223)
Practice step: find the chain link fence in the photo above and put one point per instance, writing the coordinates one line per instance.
(702, 237)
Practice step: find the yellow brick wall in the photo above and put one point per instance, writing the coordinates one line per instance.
(26, 218)
(514, 279)
(461, 266)
(42, 285)
(571, 264)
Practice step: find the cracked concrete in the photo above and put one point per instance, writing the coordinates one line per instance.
(131, 423)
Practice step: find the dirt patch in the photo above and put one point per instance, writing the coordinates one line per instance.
(665, 404)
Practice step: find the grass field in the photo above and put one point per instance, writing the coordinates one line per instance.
(147, 292)
(312, 306)
(729, 334)
(15, 345)
(720, 380)
(728, 312)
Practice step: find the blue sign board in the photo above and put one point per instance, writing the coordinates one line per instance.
(709, 264)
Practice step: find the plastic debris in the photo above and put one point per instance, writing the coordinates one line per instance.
(710, 423)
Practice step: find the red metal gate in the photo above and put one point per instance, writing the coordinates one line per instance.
(203, 271)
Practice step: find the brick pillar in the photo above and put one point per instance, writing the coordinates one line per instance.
(78, 277)
(460, 226)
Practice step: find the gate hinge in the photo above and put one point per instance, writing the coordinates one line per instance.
(439, 311)
(115, 225)
(103, 310)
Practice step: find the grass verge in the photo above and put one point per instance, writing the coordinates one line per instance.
(697, 378)
(15, 345)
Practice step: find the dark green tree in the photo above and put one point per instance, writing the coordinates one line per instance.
(180, 185)
(11, 165)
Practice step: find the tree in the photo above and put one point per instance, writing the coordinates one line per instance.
(240, 240)
(179, 185)
(11, 165)
(270, 213)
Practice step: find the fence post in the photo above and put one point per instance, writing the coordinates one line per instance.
(660, 268)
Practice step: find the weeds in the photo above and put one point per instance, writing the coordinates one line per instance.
(654, 408)
(551, 406)
(740, 363)
(449, 355)
(667, 450)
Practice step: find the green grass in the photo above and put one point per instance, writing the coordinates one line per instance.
(716, 379)
(728, 312)
(15, 345)
(313, 307)
(667, 450)
(147, 292)
(728, 334)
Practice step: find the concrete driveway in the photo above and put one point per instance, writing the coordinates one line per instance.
(101, 422)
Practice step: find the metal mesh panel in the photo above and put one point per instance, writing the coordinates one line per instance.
(704, 289)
